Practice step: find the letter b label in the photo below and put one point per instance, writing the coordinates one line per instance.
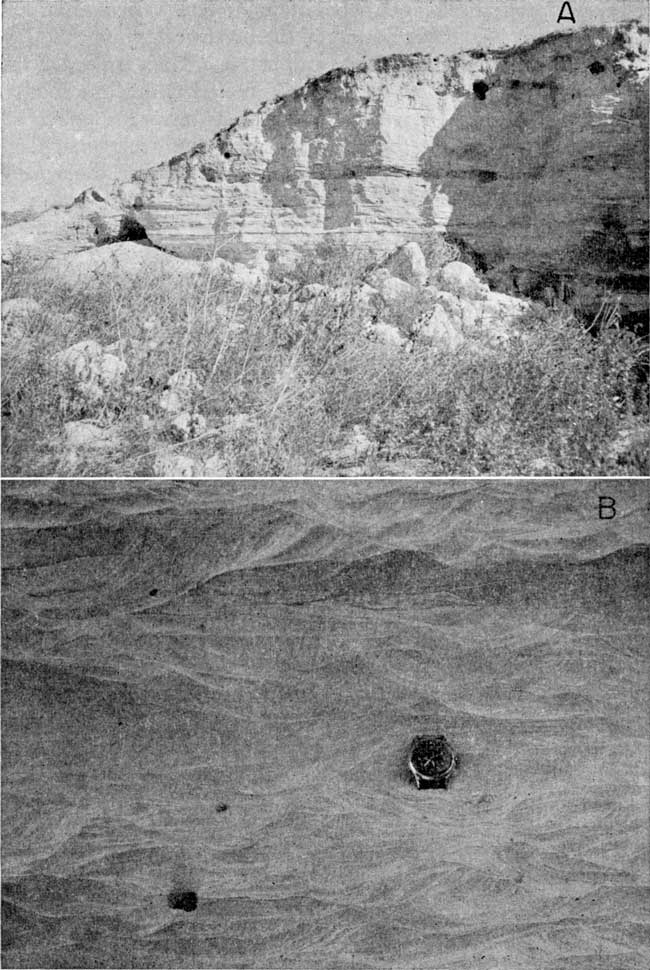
(606, 507)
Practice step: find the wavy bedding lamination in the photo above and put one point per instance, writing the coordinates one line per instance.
(211, 689)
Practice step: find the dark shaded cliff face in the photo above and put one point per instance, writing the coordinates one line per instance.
(534, 158)
(546, 171)
(209, 692)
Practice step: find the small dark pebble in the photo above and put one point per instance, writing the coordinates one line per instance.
(153, 592)
(186, 901)
(221, 807)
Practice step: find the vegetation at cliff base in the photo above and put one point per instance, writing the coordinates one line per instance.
(208, 376)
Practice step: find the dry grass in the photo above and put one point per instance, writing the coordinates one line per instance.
(281, 382)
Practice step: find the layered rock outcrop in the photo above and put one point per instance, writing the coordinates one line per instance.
(534, 158)
(92, 219)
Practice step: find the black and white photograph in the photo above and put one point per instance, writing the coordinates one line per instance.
(325, 238)
(332, 724)
(325, 485)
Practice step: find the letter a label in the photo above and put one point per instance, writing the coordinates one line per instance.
(568, 15)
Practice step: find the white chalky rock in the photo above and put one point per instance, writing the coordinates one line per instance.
(170, 402)
(215, 467)
(88, 363)
(461, 280)
(151, 333)
(237, 422)
(438, 330)
(469, 316)
(80, 357)
(110, 369)
(167, 464)
(88, 436)
(184, 381)
(310, 291)
(188, 424)
(19, 309)
(367, 297)
(505, 307)
(181, 388)
(357, 447)
(386, 333)
(391, 289)
(340, 294)
(453, 305)
(408, 264)
(247, 276)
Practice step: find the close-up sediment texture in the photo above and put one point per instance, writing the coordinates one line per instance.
(209, 693)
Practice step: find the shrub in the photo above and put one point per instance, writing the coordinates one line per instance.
(331, 262)
(438, 251)
(553, 395)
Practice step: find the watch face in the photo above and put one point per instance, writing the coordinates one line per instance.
(432, 757)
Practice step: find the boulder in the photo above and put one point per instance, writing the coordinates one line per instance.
(151, 334)
(342, 295)
(408, 263)
(356, 447)
(187, 424)
(93, 370)
(19, 309)
(80, 357)
(180, 392)
(461, 280)
(63, 322)
(168, 464)
(310, 292)
(543, 466)
(501, 306)
(171, 402)
(232, 424)
(631, 444)
(215, 467)
(110, 370)
(17, 346)
(494, 315)
(387, 334)
(450, 303)
(88, 440)
(497, 316)
(469, 316)
(391, 290)
(367, 297)
(247, 276)
(438, 330)
(17, 339)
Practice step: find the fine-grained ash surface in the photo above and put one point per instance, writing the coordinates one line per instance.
(209, 691)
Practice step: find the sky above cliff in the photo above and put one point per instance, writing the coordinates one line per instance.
(94, 89)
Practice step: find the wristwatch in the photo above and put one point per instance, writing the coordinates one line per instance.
(431, 761)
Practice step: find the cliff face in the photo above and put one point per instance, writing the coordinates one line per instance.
(535, 158)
